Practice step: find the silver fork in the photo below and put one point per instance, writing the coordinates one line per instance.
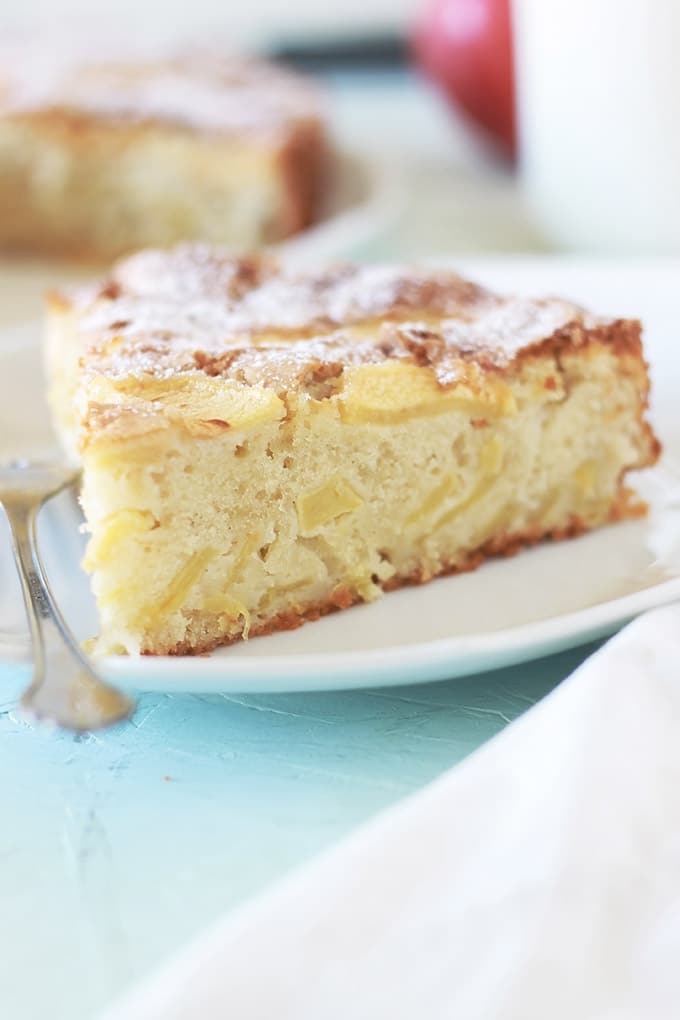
(65, 689)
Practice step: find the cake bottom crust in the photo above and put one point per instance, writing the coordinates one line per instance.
(626, 506)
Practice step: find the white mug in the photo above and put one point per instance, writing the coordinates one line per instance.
(598, 86)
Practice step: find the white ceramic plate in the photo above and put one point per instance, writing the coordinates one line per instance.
(541, 601)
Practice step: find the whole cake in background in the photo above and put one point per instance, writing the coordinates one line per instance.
(100, 155)
(261, 445)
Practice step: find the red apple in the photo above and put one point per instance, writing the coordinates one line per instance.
(465, 46)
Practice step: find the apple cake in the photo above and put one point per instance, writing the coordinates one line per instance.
(261, 445)
(101, 156)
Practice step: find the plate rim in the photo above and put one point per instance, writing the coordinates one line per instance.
(425, 659)
(402, 664)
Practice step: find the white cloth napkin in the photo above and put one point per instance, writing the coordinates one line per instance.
(538, 879)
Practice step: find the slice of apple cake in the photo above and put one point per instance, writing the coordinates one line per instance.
(104, 150)
(261, 445)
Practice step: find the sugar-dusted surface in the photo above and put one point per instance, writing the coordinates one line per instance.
(197, 90)
(254, 320)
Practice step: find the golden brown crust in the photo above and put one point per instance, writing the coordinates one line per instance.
(194, 315)
(195, 309)
(626, 506)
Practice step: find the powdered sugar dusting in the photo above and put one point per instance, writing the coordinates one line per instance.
(196, 308)
(511, 326)
(201, 91)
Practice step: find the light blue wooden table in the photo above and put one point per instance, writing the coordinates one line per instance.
(116, 848)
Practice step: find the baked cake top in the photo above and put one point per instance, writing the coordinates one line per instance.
(196, 308)
(196, 90)
(196, 337)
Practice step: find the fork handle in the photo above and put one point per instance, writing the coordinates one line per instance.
(64, 688)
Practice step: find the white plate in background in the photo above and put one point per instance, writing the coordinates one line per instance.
(543, 600)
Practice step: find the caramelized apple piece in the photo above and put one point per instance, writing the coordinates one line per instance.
(395, 391)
